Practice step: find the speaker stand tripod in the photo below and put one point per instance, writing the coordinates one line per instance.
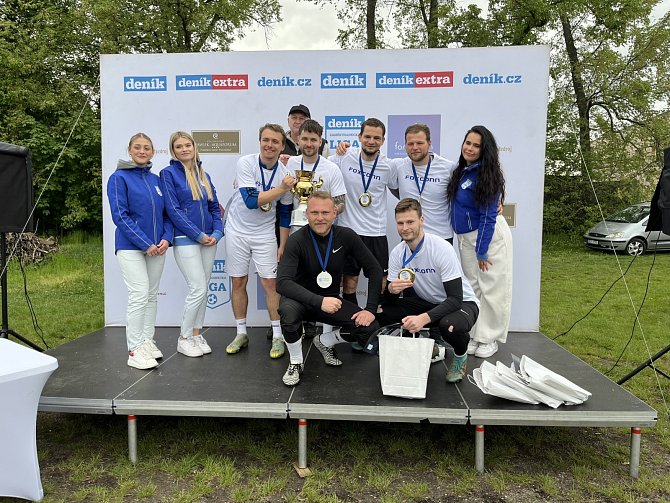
(648, 363)
(5, 332)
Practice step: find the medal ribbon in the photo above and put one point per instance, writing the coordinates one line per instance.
(302, 164)
(263, 167)
(324, 263)
(366, 185)
(406, 260)
(416, 177)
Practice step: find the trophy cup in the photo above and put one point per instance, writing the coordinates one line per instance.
(302, 189)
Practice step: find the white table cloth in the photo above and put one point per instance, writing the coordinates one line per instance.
(23, 373)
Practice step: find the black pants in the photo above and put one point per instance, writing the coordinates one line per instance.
(454, 327)
(292, 313)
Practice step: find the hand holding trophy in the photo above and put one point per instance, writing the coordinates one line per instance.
(302, 189)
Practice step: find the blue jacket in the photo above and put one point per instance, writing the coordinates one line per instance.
(192, 219)
(467, 215)
(138, 208)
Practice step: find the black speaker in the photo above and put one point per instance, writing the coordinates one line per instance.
(16, 188)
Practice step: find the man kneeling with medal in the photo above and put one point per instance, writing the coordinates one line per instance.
(308, 280)
(429, 289)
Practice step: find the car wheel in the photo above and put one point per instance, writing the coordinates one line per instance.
(635, 247)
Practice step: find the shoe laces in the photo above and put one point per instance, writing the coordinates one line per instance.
(293, 368)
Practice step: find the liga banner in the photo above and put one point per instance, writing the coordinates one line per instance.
(223, 98)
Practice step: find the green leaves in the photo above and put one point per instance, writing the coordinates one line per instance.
(49, 51)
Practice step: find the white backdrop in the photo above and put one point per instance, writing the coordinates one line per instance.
(230, 95)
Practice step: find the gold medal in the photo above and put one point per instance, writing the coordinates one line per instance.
(266, 206)
(406, 274)
(365, 199)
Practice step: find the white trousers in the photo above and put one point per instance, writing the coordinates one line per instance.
(142, 275)
(493, 288)
(195, 263)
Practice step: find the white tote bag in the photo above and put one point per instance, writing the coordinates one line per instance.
(404, 363)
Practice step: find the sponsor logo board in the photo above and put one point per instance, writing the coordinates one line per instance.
(396, 80)
(492, 79)
(396, 125)
(217, 142)
(147, 83)
(343, 80)
(218, 290)
(339, 128)
(284, 81)
(219, 82)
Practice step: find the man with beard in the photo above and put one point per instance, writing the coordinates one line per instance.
(424, 176)
(428, 288)
(366, 174)
(309, 140)
(308, 280)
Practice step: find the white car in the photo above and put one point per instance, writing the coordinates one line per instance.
(625, 231)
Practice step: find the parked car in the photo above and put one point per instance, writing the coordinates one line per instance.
(625, 231)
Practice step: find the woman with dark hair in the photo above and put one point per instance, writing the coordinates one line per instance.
(143, 235)
(192, 205)
(476, 190)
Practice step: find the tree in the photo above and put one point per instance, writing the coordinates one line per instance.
(49, 81)
(176, 25)
(610, 90)
(48, 76)
(364, 23)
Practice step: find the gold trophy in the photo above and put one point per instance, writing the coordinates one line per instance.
(302, 189)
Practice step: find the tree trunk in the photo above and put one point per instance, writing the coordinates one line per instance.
(583, 105)
(370, 24)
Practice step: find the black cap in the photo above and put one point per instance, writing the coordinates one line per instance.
(300, 109)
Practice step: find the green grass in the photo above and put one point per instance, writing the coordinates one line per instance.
(84, 457)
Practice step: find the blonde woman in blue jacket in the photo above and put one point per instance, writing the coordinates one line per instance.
(193, 208)
(143, 235)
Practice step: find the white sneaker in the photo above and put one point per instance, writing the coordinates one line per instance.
(153, 349)
(140, 358)
(472, 346)
(202, 344)
(486, 350)
(189, 347)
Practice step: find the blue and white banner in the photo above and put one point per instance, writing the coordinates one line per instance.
(223, 99)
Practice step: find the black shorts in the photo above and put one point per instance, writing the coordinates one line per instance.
(379, 246)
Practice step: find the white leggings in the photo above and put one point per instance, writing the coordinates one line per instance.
(493, 288)
(142, 275)
(195, 263)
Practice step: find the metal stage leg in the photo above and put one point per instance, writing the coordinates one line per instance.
(301, 466)
(635, 438)
(479, 448)
(132, 439)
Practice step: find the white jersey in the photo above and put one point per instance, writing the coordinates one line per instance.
(332, 177)
(435, 264)
(241, 219)
(433, 199)
(365, 220)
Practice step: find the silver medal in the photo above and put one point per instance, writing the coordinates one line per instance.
(324, 279)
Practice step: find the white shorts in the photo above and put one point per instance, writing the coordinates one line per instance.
(241, 249)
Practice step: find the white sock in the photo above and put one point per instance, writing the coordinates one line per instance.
(327, 328)
(276, 329)
(329, 339)
(241, 326)
(295, 351)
